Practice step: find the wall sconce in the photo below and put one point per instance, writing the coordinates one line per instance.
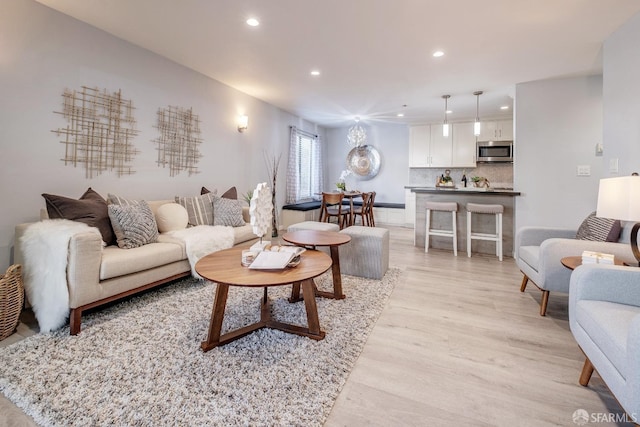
(243, 123)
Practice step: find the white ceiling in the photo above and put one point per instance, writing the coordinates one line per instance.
(374, 55)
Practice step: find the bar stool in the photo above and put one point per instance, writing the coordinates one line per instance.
(478, 208)
(453, 232)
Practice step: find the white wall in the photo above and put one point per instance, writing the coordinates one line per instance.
(558, 124)
(621, 98)
(391, 141)
(42, 52)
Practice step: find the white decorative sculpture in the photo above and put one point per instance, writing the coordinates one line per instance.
(260, 209)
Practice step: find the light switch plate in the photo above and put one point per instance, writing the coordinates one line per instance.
(583, 170)
(613, 165)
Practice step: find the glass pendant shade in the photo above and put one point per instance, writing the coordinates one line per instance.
(476, 125)
(445, 125)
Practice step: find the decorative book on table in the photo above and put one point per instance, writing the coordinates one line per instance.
(590, 257)
(276, 259)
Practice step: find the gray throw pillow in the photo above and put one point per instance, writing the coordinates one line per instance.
(134, 224)
(599, 229)
(227, 212)
(199, 208)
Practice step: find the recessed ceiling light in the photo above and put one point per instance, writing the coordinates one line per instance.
(504, 107)
(438, 53)
(400, 114)
(253, 22)
(315, 73)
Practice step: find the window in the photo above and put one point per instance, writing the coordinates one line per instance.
(304, 174)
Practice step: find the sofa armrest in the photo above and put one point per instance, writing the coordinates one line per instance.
(554, 276)
(612, 283)
(83, 269)
(534, 236)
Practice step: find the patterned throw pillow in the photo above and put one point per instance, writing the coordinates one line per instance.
(599, 229)
(199, 208)
(227, 212)
(133, 224)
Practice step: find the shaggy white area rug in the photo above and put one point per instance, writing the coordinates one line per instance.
(140, 363)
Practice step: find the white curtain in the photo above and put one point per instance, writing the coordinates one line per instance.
(293, 182)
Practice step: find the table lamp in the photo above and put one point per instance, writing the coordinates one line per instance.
(619, 198)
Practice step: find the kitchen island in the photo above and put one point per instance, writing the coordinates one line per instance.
(481, 223)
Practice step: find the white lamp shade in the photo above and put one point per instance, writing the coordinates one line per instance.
(619, 198)
(445, 130)
(476, 128)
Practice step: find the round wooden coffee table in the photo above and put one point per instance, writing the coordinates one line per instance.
(225, 268)
(312, 239)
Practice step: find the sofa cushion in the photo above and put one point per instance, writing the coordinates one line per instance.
(530, 255)
(171, 216)
(227, 212)
(90, 209)
(199, 208)
(119, 262)
(607, 324)
(599, 229)
(134, 225)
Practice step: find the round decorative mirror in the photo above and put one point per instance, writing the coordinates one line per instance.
(364, 161)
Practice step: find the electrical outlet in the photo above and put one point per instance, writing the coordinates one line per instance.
(583, 170)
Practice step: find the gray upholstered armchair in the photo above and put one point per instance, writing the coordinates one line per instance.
(604, 316)
(538, 251)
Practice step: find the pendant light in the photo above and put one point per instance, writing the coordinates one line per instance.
(445, 125)
(356, 136)
(476, 124)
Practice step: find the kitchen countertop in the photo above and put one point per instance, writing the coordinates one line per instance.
(463, 190)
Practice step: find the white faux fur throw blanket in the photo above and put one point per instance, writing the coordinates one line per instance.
(201, 240)
(45, 247)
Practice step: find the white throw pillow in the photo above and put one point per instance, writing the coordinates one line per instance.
(171, 217)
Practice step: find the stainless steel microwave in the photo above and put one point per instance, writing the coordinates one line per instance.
(494, 151)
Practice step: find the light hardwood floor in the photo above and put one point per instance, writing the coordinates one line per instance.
(457, 344)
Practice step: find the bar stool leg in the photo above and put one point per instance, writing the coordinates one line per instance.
(455, 233)
(468, 234)
(499, 233)
(426, 237)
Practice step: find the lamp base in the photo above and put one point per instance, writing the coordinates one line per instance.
(634, 242)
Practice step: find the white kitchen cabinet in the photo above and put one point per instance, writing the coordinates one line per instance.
(419, 140)
(409, 207)
(496, 130)
(440, 149)
(428, 148)
(464, 146)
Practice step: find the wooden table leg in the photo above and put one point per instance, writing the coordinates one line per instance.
(336, 275)
(312, 309)
(217, 315)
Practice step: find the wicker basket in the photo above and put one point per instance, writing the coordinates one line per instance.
(11, 300)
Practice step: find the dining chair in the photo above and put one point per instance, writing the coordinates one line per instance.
(332, 207)
(372, 199)
(362, 211)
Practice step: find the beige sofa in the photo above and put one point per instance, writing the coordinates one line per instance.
(97, 275)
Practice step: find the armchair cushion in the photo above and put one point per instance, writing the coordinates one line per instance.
(530, 255)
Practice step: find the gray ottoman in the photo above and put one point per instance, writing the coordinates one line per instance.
(367, 255)
(313, 225)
